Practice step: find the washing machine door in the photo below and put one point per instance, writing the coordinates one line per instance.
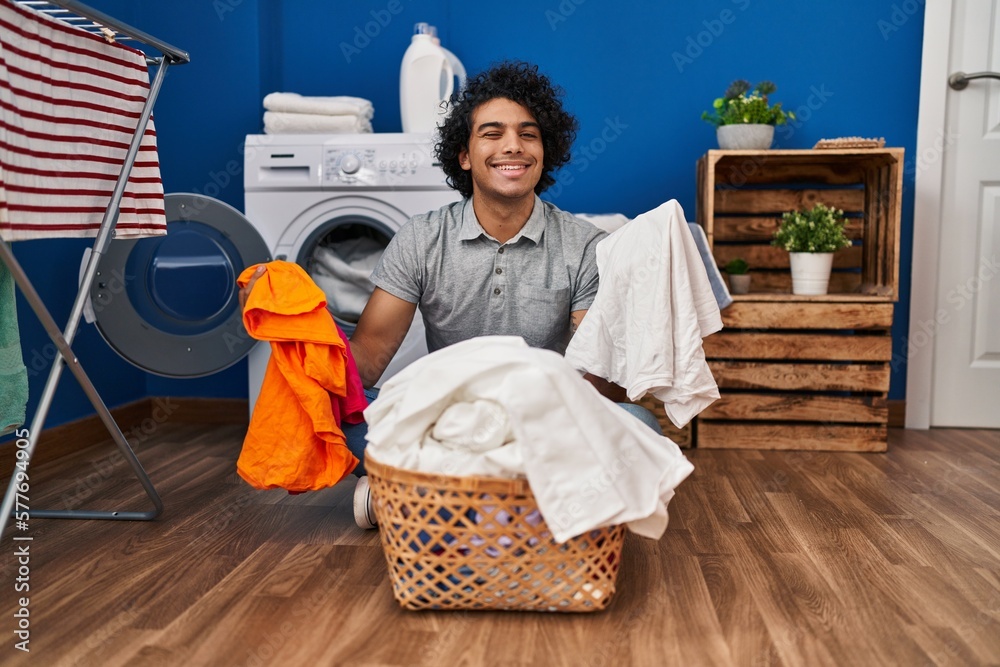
(169, 304)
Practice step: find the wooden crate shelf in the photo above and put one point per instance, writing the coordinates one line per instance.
(742, 195)
(757, 435)
(802, 372)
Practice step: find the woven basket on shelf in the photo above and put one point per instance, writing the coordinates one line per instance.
(480, 543)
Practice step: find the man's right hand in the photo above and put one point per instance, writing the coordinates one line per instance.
(245, 291)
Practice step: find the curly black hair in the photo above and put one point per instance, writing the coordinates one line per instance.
(519, 82)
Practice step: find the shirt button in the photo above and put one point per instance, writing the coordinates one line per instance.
(499, 271)
(500, 250)
(496, 291)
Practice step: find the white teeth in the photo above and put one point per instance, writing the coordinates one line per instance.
(510, 167)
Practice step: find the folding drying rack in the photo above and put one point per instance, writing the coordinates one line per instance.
(91, 20)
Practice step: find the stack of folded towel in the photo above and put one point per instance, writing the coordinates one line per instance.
(291, 113)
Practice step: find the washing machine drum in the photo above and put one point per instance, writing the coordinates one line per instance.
(340, 256)
(169, 304)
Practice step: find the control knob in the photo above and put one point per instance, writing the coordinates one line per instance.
(350, 164)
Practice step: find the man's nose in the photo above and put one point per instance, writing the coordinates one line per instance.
(512, 143)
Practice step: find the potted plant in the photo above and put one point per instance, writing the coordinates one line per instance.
(739, 279)
(811, 237)
(743, 117)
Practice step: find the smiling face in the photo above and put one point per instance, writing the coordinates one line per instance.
(505, 153)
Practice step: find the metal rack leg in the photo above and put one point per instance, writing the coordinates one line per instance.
(67, 357)
(64, 340)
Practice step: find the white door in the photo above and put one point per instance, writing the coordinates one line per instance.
(965, 329)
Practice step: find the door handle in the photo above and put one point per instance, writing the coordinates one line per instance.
(960, 80)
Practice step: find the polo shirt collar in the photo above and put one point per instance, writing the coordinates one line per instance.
(533, 228)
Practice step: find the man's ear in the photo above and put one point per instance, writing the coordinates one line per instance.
(463, 159)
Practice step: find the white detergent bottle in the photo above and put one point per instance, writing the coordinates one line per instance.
(426, 81)
(458, 69)
(456, 65)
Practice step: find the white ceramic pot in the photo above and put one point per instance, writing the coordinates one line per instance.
(739, 284)
(810, 272)
(749, 136)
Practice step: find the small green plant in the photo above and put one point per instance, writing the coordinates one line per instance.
(737, 267)
(743, 104)
(819, 229)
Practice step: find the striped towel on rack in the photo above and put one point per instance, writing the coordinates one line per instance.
(69, 105)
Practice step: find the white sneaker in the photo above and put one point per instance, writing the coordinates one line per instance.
(364, 511)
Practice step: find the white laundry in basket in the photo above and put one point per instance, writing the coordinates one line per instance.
(589, 463)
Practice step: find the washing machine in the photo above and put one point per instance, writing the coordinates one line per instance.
(319, 200)
(169, 304)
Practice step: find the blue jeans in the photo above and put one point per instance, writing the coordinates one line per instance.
(357, 441)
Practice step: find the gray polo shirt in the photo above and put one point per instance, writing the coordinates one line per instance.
(468, 284)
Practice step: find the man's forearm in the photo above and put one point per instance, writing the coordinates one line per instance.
(368, 371)
(607, 389)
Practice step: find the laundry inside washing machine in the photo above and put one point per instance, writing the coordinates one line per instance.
(340, 257)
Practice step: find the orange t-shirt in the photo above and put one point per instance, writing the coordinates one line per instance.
(294, 441)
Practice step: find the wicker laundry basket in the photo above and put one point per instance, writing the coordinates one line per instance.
(480, 543)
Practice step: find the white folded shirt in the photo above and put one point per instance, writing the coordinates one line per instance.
(653, 306)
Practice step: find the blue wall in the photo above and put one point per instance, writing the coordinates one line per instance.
(645, 69)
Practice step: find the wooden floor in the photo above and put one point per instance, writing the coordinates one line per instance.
(771, 558)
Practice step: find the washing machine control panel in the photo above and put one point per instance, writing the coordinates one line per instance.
(396, 166)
